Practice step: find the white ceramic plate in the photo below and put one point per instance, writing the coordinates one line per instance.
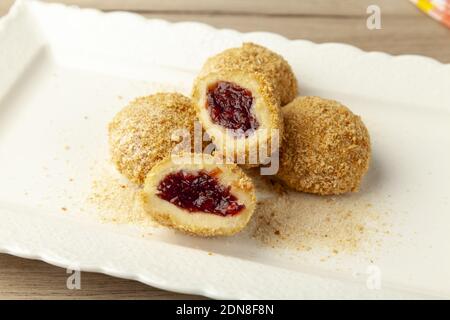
(61, 71)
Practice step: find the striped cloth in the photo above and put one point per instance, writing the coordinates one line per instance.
(437, 9)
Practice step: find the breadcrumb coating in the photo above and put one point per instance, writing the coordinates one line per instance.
(325, 149)
(140, 134)
(251, 58)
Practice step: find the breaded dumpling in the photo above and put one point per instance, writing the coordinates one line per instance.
(140, 134)
(199, 197)
(325, 149)
(238, 94)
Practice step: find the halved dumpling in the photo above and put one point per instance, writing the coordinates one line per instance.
(199, 196)
(238, 95)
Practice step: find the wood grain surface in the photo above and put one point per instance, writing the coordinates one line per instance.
(405, 30)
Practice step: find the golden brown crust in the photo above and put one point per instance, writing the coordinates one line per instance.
(140, 134)
(251, 58)
(200, 224)
(325, 148)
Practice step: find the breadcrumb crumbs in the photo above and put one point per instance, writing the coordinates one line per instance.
(325, 148)
(255, 59)
(140, 134)
(301, 221)
(117, 202)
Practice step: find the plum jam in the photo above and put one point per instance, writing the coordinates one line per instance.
(199, 191)
(230, 106)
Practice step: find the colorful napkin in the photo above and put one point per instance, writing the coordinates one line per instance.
(437, 9)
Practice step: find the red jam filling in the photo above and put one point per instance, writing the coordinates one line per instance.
(230, 106)
(200, 191)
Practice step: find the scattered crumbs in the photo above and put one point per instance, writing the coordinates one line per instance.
(210, 253)
(67, 147)
(266, 187)
(71, 180)
(64, 209)
(119, 97)
(283, 219)
(117, 201)
(85, 117)
(300, 221)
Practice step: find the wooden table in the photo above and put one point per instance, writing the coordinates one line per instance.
(405, 30)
